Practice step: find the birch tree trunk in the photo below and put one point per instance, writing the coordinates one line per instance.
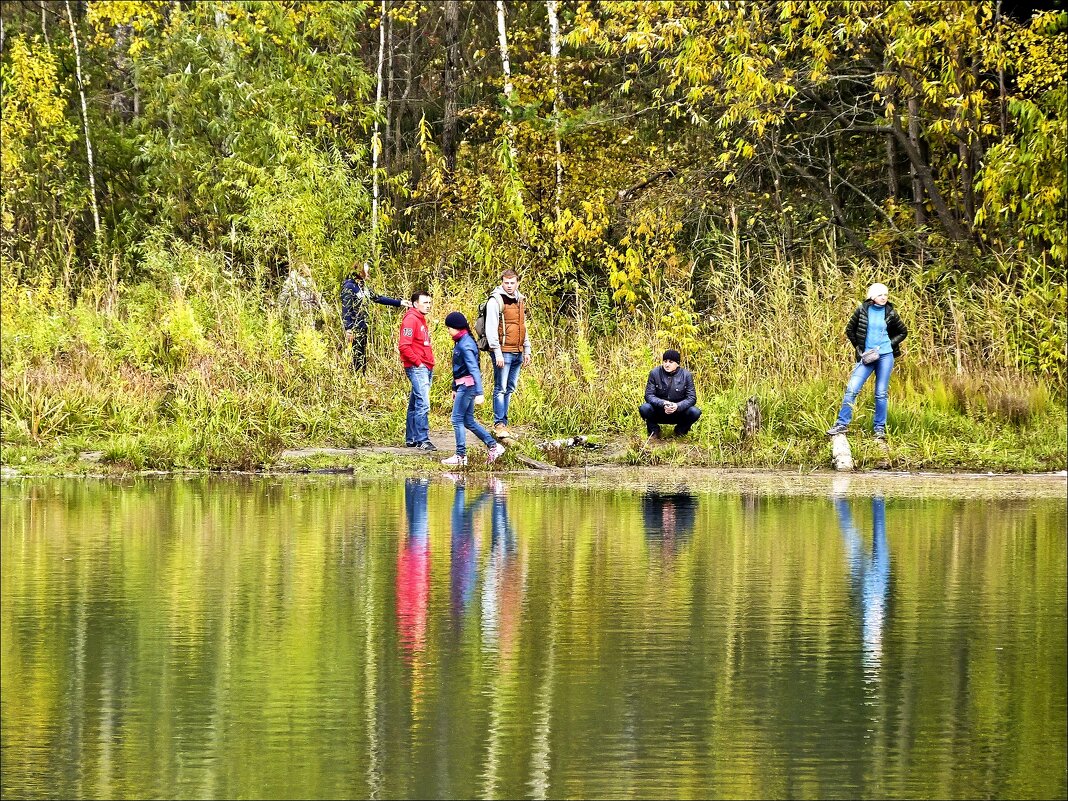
(452, 69)
(554, 52)
(44, 27)
(85, 120)
(376, 142)
(502, 39)
(387, 135)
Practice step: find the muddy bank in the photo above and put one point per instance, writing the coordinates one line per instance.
(730, 481)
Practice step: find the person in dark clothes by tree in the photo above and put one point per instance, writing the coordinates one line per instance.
(356, 297)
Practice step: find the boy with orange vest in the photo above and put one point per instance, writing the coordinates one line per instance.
(506, 334)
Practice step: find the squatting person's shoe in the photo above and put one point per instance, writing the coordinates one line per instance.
(837, 429)
(495, 453)
(455, 461)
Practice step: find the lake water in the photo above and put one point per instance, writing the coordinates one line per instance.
(326, 637)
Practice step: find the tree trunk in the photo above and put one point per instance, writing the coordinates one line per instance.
(376, 142)
(891, 168)
(967, 189)
(122, 74)
(554, 52)
(922, 170)
(44, 27)
(85, 120)
(402, 105)
(751, 418)
(452, 69)
(1002, 93)
(914, 139)
(502, 41)
(387, 129)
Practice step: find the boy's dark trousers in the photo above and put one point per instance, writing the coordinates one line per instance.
(655, 416)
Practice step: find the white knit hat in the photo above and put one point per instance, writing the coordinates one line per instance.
(877, 289)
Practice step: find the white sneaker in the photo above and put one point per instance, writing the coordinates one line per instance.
(496, 452)
(455, 461)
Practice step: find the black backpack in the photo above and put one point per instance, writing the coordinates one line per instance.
(478, 330)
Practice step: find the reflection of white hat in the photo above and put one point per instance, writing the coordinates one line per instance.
(877, 289)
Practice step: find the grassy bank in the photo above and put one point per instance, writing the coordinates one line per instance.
(197, 371)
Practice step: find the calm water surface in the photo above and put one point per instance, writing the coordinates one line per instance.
(414, 638)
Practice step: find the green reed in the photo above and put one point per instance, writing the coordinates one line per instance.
(203, 373)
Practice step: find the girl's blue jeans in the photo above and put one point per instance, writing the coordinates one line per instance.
(861, 373)
(463, 418)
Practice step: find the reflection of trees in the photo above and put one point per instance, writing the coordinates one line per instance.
(502, 598)
(231, 638)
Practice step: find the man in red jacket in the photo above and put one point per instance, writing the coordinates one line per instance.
(418, 359)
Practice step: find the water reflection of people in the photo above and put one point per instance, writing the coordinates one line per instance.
(413, 568)
(464, 557)
(502, 590)
(869, 577)
(668, 517)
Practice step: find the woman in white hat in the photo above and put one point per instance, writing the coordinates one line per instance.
(876, 332)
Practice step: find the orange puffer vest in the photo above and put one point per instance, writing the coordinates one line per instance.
(512, 329)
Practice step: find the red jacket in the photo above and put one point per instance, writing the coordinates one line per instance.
(414, 341)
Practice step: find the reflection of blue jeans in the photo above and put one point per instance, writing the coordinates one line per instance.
(870, 577)
(415, 491)
(463, 564)
(504, 381)
(417, 424)
(861, 373)
(502, 538)
(463, 418)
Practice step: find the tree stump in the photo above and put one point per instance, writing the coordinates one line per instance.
(884, 455)
(751, 418)
(841, 453)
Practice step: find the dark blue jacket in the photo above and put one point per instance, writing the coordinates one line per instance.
(465, 361)
(676, 387)
(354, 299)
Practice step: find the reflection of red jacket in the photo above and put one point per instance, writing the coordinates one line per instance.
(414, 341)
(413, 592)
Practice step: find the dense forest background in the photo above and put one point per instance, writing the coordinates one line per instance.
(723, 177)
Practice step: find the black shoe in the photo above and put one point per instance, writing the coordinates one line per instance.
(410, 444)
(426, 445)
(681, 432)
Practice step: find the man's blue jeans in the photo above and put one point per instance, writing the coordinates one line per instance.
(463, 418)
(504, 380)
(861, 373)
(417, 424)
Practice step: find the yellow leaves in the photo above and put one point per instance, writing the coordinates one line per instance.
(140, 15)
(33, 126)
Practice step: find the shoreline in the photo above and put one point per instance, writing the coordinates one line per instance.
(714, 480)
